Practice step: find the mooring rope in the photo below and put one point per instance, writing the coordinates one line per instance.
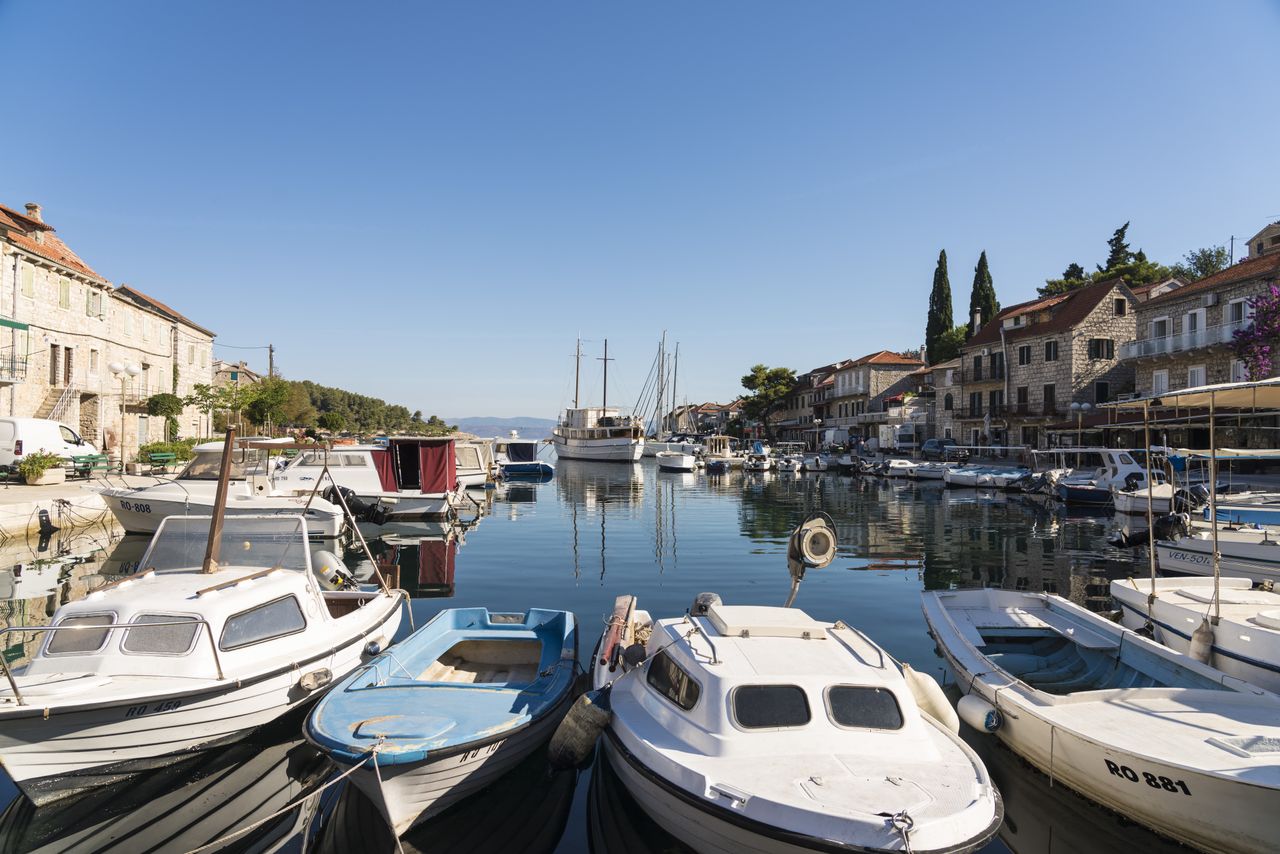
(373, 754)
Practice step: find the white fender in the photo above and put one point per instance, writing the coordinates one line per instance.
(930, 699)
(1202, 642)
(979, 714)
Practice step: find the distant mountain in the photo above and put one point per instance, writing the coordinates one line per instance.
(529, 428)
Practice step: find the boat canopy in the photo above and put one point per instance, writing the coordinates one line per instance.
(1263, 394)
(522, 451)
(266, 542)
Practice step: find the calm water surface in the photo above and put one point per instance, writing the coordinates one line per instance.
(576, 542)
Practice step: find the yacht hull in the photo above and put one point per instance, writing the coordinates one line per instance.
(141, 515)
(1195, 557)
(599, 450)
(53, 753)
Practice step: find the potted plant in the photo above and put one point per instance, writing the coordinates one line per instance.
(42, 468)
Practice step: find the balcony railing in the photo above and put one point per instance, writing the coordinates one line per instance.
(995, 411)
(13, 367)
(1035, 410)
(981, 375)
(1223, 333)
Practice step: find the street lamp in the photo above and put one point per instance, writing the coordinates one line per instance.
(125, 372)
(817, 434)
(1080, 410)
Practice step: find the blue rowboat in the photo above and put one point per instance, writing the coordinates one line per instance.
(450, 708)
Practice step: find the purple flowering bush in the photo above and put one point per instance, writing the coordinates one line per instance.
(1255, 344)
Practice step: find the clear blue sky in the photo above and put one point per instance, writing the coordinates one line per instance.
(429, 201)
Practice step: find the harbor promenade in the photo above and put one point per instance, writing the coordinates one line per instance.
(68, 505)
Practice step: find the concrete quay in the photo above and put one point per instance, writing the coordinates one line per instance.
(73, 504)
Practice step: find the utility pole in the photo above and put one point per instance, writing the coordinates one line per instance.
(1233, 251)
(271, 360)
(604, 397)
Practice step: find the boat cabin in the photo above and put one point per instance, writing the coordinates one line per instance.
(598, 422)
(414, 464)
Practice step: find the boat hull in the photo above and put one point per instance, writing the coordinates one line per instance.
(144, 515)
(599, 450)
(1195, 557)
(1135, 504)
(61, 753)
(1092, 496)
(410, 793)
(722, 832)
(518, 470)
(1214, 813)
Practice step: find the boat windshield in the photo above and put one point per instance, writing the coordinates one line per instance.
(255, 542)
(206, 465)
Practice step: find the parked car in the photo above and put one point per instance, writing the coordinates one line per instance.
(20, 436)
(942, 449)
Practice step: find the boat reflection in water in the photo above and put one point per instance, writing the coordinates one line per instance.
(185, 806)
(615, 822)
(525, 810)
(420, 557)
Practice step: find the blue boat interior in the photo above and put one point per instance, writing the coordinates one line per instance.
(1051, 662)
(467, 676)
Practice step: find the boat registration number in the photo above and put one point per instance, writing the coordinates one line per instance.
(1189, 557)
(149, 709)
(1152, 780)
(471, 755)
(135, 506)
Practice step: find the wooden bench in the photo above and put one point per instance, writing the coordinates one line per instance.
(160, 462)
(87, 465)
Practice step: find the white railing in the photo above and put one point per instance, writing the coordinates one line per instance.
(1223, 333)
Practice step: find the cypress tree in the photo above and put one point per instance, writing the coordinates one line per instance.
(1118, 253)
(983, 296)
(939, 309)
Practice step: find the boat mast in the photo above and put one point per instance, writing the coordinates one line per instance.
(577, 372)
(604, 396)
(662, 386)
(1213, 511)
(675, 375)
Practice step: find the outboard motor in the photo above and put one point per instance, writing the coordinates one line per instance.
(361, 510)
(702, 604)
(1133, 481)
(1192, 498)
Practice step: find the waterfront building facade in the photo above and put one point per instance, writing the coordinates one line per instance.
(62, 328)
(859, 382)
(1021, 371)
(945, 382)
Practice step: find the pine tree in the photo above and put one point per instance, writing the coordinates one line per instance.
(939, 309)
(1119, 254)
(1074, 273)
(982, 298)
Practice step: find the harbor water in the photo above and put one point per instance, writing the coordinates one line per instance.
(575, 542)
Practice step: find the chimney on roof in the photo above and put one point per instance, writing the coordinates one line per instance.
(33, 211)
(977, 320)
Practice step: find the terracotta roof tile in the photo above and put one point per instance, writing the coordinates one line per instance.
(21, 231)
(130, 292)
(1067, 310)
(885, 357)
(1264, 267)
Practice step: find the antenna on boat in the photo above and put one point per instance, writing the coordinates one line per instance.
(212, 548)
(604, 397)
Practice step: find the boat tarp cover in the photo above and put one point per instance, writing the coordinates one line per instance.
(439, 467)
(522, 452)
(386, 469)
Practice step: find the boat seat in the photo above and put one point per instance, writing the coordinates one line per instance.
(1075, 632)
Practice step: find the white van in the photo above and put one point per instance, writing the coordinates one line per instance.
(19, 436)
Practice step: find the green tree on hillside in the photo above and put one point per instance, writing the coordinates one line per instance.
(1135, 268)
(940, 320)
(948, 346)
(769, 388)
(1200, 263)
(1118, 250)
(982, 298)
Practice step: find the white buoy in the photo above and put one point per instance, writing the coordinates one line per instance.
(1202, 642)
(929, 697)
(979, 714)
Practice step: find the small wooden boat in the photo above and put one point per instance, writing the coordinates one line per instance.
(1134, 501)
(1246, 641)
(1148, 732)
(676, 461)
(897, 467)
(760, 729)
(789, 463)
(757, 462)
(450, 709)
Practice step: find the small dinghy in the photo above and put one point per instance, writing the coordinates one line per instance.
(760, 729)
(677, 461)
(790, 463)
(1168, 742)
(896, 467)
(450, 708)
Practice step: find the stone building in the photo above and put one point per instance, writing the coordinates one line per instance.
(946, 399)
(62, 328)
(1184, 337)
(1021, 372)
(858, 382)
(807, 403)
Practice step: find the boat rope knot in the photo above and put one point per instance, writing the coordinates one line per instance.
(903, 822)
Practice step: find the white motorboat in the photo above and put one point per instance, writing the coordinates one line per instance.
(176, 658)
(250, 491)
(1134, 501)
(757, 462)
(653, 447)
(789, 463)
(677, 461)
(932, 470)
(1246, 641)
(896, 467)
(411, 477)
(719, 450)
(1001, 476)
(1094, 474)
(817, 462)
(473, 460)
(518, 458)
(965, 475)
(1248, 552)
(758, 729)
(1146, 731)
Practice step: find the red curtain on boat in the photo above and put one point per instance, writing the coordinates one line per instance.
(436, 562)
(439, 466)
(386, 470)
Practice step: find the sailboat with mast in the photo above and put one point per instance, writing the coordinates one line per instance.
(601, 433)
